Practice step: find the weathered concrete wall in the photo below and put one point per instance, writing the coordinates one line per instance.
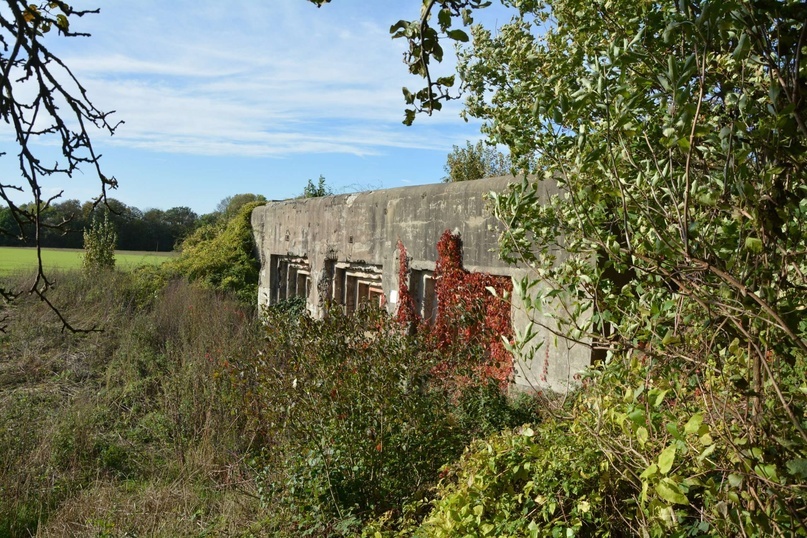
(341, 246)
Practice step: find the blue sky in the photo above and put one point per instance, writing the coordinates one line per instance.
(221, 98)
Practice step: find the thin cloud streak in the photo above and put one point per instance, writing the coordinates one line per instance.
(299, 84)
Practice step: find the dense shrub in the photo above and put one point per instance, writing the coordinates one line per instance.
(353, 426)
(354, 423)
(638, 452)
(545, 482)
(221, 256)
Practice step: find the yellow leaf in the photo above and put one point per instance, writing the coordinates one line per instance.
(666, 459)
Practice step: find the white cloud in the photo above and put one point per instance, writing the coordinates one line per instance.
(253, 79)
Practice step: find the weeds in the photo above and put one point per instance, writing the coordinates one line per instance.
(94, 425)
(189, 415)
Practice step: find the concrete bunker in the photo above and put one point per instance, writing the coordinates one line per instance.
(342, 250)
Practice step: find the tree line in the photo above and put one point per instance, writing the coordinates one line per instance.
(63, 223)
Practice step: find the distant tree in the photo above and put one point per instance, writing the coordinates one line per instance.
(315, 191)
(230, 206)
(180, 221)
(62, 225)
(475, 161)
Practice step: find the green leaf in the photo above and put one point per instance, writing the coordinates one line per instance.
(656, 397)
(397, 29)
(444, 18)
(694, 423)
(735, 480)
(641, 435)
(670, 338)
(797, 467)
(672, 429)
(650, 471)
(666, 459)
(767, 471)
(458, 35)
(752, 244)
(446, 81)
(669, 491)
(706, 452)
(62, 23)
(743, 45)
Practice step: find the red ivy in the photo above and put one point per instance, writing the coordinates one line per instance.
(471, 321)
(407, 313)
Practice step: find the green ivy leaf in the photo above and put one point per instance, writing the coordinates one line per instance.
(767, 471)
(797, 467)
(752, 244)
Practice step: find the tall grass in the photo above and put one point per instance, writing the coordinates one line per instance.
(129, 430)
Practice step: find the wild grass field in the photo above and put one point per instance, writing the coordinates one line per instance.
(14, 259)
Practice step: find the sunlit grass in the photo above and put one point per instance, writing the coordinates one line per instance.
(14, 259)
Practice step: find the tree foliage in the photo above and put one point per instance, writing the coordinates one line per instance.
(677, 135)
(475, 161)
(231, 205)
(99, 245)
(64, 222)
(315, 191)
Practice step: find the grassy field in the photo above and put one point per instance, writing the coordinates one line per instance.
(14, 259)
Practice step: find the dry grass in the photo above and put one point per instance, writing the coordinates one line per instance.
(178, 508)
(129, 431)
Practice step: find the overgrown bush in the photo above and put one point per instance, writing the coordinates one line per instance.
(354, 422)
(676, 137)
(354, 428)
(99, 245)
(221, 256)
(640, 452)
(550, 481)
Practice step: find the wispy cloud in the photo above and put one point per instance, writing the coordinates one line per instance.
(253, 79)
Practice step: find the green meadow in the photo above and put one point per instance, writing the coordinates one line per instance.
(13, 259)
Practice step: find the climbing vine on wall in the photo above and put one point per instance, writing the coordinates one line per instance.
(470, 321)
(407, 312)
